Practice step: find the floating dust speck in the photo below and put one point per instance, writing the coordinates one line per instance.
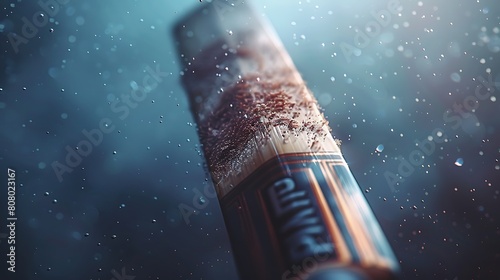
(459, 162)
(202, 200)
(455, 77)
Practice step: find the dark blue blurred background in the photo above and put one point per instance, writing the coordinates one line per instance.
(388, 74)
